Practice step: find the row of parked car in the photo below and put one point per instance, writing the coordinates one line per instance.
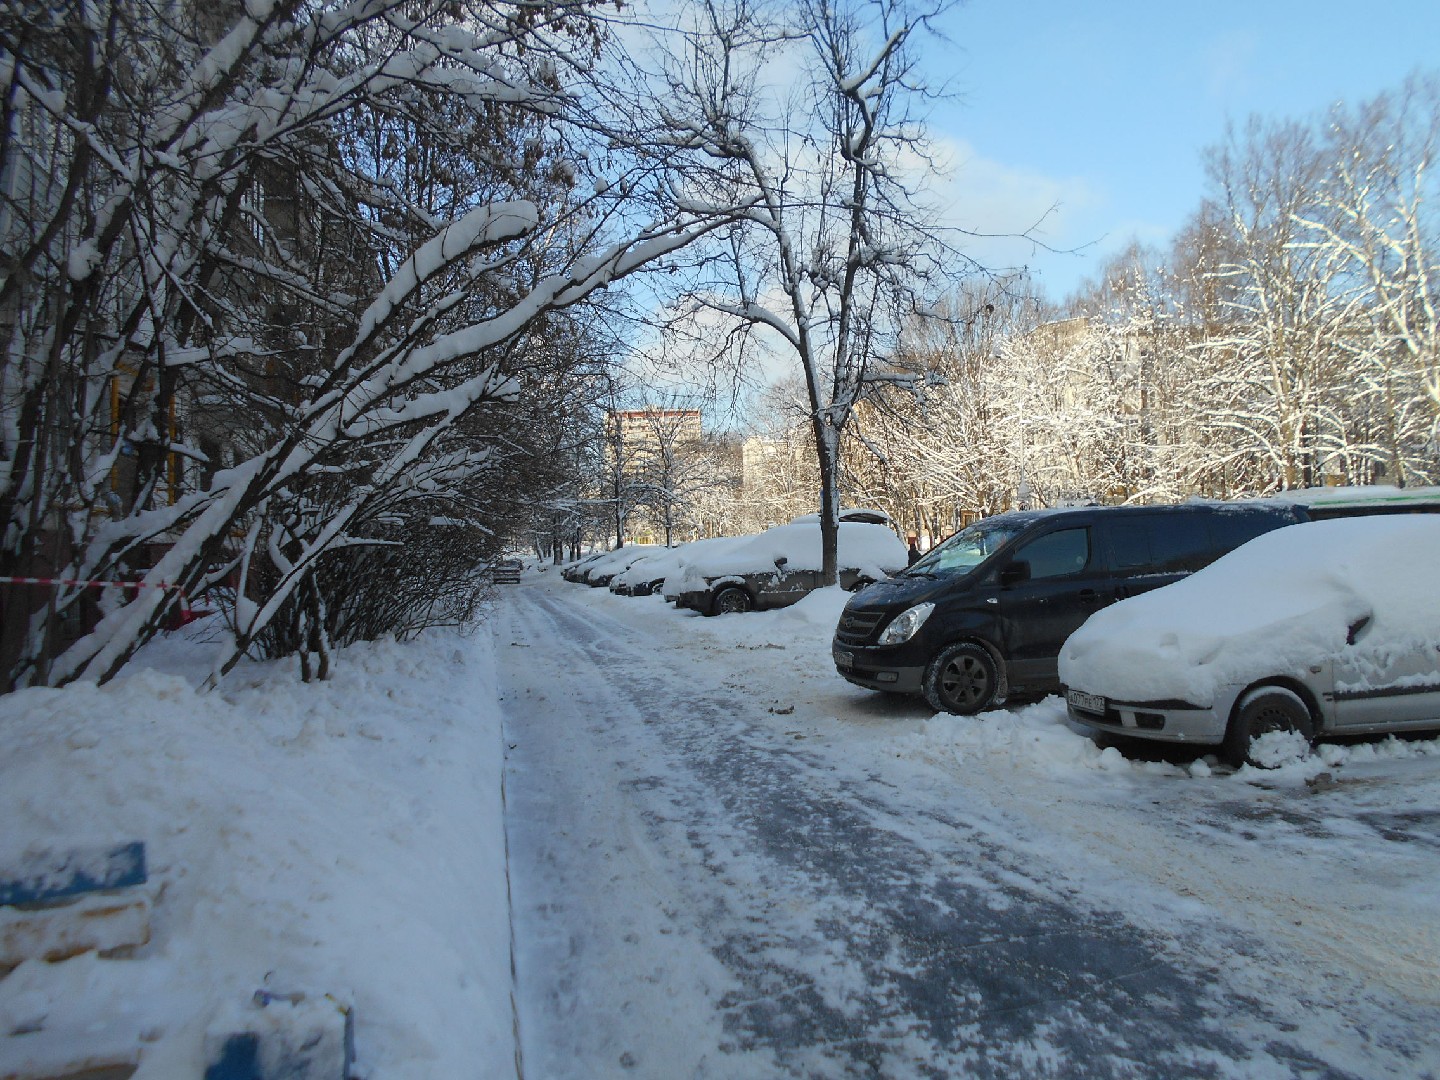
(730, 574)
(1241, 625)
(1216, 624)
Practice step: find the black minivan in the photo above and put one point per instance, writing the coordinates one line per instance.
(981, 618)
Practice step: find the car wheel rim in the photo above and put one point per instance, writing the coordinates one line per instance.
(965, 682)
(1271, 719)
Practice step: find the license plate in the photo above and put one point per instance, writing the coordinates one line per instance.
(1092, 703)
(844, 659)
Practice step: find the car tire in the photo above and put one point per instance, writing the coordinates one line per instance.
(962, 679)
(1262, 711)
(731, 601)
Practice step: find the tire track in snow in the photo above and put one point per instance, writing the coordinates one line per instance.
(873, 929)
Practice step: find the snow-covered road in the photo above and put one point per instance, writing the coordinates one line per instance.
(725, 862)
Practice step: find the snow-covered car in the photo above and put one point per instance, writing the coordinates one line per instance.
(600, 572)
(781, 565)
(647, 575)
(1323, 628)
(576, 570)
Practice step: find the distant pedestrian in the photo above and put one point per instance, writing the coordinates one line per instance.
(914, 549)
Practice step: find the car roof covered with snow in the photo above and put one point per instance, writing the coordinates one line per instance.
(1277, 604)
(1323, 502)
(855, 513)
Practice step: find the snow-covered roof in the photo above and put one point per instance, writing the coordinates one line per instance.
(1380, 497)
(1277, 604)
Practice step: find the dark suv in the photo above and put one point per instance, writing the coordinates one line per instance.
(982, 617)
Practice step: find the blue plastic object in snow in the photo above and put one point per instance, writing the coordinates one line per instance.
(53, 875)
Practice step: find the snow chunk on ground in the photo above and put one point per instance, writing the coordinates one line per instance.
(342, 838)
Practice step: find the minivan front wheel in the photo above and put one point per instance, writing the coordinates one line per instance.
(962, 679)
(1267, 710)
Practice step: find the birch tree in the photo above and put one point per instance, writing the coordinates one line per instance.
(1275, 370)
(1380, 227)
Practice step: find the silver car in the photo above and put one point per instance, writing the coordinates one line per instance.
(1319, 629)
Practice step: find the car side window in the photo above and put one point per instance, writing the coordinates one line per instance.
(1066, 551)
(1129, 545)
(1230, 530)
(1179, 542)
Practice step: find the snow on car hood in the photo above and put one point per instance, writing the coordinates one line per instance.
(1283, 601)
(871, 549)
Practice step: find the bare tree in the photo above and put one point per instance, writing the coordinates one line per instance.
(831, 254)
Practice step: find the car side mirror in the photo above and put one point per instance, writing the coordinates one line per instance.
(1015, 572)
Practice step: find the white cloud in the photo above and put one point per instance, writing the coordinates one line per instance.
(1014, 213)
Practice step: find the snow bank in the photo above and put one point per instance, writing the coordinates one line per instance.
(341, 839)
(1277, 604)
(1037, 739)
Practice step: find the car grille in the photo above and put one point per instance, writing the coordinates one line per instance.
(857, 627)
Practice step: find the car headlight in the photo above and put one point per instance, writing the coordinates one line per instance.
(905, 624)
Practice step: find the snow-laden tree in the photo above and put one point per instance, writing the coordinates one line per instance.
(206, 232)
(1379, 226)
(935, 458)
(832, 253)
(1275, 370)
(775, 459)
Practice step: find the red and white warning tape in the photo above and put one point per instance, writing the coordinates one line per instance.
(75, 582)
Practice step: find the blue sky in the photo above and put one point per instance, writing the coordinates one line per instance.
(1105, 108)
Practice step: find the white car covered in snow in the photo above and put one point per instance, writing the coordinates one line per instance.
(779, 566)
(599, 570)
(1322, 628)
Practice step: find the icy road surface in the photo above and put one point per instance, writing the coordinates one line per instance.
(726, 862)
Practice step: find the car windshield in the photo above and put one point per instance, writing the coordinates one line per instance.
(967, 549)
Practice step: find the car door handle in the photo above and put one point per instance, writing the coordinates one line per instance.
(1089, 595)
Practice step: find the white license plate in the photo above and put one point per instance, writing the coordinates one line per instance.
(1093, 703)
(844, 659)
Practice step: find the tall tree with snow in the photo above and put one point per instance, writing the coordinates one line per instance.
(832, 253)
(253, 290)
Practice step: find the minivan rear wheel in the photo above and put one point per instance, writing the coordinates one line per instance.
(962, 679)
(1261, 712)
